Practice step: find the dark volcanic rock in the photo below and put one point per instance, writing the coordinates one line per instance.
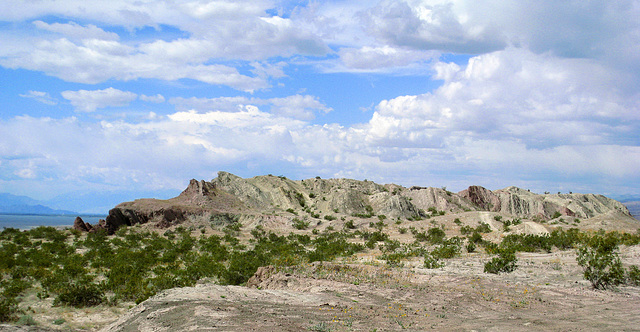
(80, 225)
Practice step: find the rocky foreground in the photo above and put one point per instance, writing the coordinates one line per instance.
(270, 197)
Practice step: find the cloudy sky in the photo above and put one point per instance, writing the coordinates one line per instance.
(141, 96)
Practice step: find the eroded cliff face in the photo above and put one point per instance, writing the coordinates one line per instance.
(316, 198)
(522, 203)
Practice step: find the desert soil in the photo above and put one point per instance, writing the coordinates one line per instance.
(546, 293)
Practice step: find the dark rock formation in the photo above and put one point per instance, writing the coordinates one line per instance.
(80, 225)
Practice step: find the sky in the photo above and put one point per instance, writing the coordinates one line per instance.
(138, 97)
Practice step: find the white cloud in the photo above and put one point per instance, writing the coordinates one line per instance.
(94, 61)
(153, 99)
(89, 101)
(380, 58)
(88, 54)
(514, 94)
(40, 96)
(300, 107)
(605, 30)
(76, 31)
(552, 96)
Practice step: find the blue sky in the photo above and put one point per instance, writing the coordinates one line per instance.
(139, 97)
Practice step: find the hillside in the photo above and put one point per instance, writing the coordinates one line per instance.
(320, 199)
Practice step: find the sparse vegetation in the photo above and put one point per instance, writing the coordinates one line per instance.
(82, 270)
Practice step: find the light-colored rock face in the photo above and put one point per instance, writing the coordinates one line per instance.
(522, 203)
(347, 196)
(342, 198)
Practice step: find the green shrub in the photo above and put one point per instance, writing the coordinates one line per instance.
(8, 309)
(466, 229)
(601, 263)
(80, 295)
(633, 275)
(504, 262)
(475, 237)
(300, 224)
(432, 262)
(471, 247)
(329, 217)
(448, 249)
(435, 235)
(349, 224)
(483, 228)
(242, 265)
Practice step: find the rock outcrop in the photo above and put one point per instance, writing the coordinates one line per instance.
(80, 225)
(522, 203)
(229, 194)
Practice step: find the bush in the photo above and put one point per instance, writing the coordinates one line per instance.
(504, 262)
(633, 276)
(300, 224)
(448, 249)
(471, 247)
(432, 262)
(601, 263)
(435, 235)
(349, 224)
(8, 309)
(80, 295)
(242, 265)
(483, 228)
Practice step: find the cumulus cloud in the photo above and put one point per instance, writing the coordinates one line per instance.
(89, 54)
(598, 30)
(549, 95)
(40, 96)
(94, 61)
(89, 101)
(539, 100)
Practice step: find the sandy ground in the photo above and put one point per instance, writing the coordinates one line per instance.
(546, 292)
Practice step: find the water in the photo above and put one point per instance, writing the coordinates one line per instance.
(22, 221)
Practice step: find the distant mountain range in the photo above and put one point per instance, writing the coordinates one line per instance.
(27, 205)
(75, 202)
(634, 208)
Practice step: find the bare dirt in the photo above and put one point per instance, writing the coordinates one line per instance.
(546, 292)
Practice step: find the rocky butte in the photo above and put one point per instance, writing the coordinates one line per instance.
(278, 199)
